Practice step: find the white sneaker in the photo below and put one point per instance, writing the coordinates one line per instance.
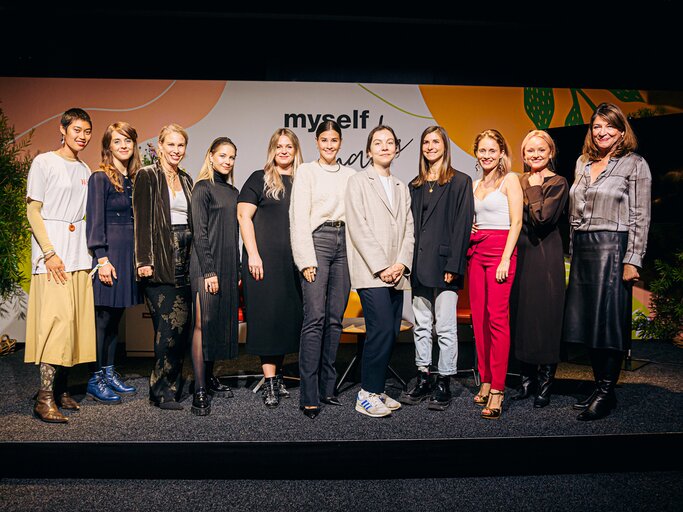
(371, 404)
(389, 402)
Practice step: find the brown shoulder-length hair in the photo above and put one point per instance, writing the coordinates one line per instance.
(505, 163)
(107, 163)
(273, 186)
(616, 117)
(446, 171)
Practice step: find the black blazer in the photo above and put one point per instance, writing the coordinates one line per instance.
(152, 220)
(442, 232)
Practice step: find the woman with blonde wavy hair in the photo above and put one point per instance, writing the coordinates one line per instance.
(269, 278)
(163, 216)
(111, 240)
(214, 273)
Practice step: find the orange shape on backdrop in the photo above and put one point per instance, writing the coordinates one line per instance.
(146, 104)
(465, 111)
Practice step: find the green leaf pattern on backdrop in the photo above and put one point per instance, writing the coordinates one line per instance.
(574, 116)
(539, 104)
(627, 95)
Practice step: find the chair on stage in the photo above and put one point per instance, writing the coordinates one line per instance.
(464, 314)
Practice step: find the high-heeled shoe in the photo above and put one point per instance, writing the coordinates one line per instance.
(331, 400)
(311, 412)
(493, 412)
(480, 399)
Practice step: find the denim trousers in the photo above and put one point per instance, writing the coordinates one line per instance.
(427, 304)
(324, 303)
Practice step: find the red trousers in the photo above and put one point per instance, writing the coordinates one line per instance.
(490, 304)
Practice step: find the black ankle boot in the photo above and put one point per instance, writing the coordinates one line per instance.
(421, 391)
(528, 385)
(546, 377)
(217, 389)
(284, 393)
(201, 403)
(271, 392)
(605, 399)
(441, 395)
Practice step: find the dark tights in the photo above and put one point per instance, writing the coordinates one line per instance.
(107, 331)
(201, 368)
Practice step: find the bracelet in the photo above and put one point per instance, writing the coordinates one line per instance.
(99, 266)
(49, 254)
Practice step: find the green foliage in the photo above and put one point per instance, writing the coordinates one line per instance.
(666, 302)
(627, 95)
(149, 155)
(539, 104)
(14, 229)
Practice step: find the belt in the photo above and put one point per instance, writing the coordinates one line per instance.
(334, 223)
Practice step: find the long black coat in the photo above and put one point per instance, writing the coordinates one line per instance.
(442, 232)
(152, 214)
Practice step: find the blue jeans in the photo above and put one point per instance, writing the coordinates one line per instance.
(324, 302)
(428, 303)
(382, 308)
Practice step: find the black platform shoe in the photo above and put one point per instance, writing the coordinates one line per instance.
(201, 403)
(441, 396)
(217, 389)
(421, 391)
(271, 393)
(284, 393)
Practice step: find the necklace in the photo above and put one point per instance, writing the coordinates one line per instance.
(431, 185)
(328, 170)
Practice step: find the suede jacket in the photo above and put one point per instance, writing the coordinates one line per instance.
(152, 214)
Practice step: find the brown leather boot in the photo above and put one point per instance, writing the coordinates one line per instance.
(66, 401)
(61, 391)
(46, 408)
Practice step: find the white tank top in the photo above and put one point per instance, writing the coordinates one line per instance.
(178, 207)
(493, 211)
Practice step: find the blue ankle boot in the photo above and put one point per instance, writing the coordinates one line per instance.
(99, 391)
(115, 383)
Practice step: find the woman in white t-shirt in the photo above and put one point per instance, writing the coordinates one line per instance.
(60, 323)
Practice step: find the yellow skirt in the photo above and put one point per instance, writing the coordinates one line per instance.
(60, 322)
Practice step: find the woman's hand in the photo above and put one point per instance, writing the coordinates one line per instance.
(502, 270)
(256, 268)
(145, 271)
(309, 274)
(535, 179)
(107, 272)
(630, 272)
(475, 228)
(392, 274)
(55, 267)
(448, 277)
(211, 284)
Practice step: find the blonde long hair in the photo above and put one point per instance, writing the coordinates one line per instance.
(107, 164)
(273, 186)
(207, 171)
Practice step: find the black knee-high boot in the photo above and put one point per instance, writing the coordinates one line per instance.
(528, 383)
(597, 358)
(605, 398)
(546, 377)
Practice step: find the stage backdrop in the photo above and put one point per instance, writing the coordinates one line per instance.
(249, 112)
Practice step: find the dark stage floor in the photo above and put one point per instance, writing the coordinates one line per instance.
(650, 401)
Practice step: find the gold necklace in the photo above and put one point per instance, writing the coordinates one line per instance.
(328, 170)
(431, 185)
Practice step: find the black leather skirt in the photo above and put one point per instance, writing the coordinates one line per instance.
(598, 303)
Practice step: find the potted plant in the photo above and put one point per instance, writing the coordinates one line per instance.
(666, 303)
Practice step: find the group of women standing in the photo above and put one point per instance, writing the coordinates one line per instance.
(312, 231)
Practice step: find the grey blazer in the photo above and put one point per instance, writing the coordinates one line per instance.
(377, 233)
